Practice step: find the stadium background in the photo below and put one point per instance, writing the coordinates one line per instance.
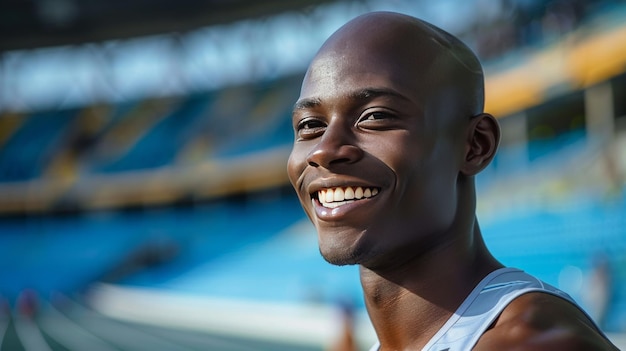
(143, 196)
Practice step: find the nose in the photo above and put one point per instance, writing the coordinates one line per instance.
(335, 146)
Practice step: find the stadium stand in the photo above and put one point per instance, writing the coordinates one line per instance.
(27, 151)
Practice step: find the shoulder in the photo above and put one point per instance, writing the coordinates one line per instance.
(540, 321)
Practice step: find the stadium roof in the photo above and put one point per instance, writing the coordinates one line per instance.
(28, 24)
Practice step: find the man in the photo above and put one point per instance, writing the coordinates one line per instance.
(389, 134)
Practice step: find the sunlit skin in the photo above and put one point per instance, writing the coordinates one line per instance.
(394, 107)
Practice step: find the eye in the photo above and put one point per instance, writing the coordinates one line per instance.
(309, 124)
(310, 128)
(375, 116)
(377, 120)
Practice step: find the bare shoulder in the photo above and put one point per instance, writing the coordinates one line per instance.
(540, 321)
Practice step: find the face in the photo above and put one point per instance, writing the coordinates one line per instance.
(374, 165)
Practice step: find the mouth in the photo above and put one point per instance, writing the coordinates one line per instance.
(338, 196)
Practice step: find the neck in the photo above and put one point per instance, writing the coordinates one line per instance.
(409, 304)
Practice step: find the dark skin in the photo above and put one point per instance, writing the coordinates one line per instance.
(394, 108)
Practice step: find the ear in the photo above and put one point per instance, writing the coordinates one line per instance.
(483, 136)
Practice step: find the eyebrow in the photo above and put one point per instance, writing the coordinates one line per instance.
(369, 93)
(307, 103)
(359, 95)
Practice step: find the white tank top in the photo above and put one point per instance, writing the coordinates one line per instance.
(482, 306)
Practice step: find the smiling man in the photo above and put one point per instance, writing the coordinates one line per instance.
(389, 134)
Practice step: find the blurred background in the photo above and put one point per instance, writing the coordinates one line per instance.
(144, 203)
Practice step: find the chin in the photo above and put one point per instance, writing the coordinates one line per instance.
(343, 246)
(339, 260)
(339, 254)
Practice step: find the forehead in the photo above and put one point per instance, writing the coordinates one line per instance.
(372, 54)
(335, 74)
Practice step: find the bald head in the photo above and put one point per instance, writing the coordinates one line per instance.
(426, 59)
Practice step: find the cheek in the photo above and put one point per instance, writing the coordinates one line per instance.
(295, 166)
(426, 184)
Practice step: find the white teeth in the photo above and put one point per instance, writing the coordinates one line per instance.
(338, 195)
(358, 193)
(349, 194)
(336, 204)
(329, 195)
(334, 197)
